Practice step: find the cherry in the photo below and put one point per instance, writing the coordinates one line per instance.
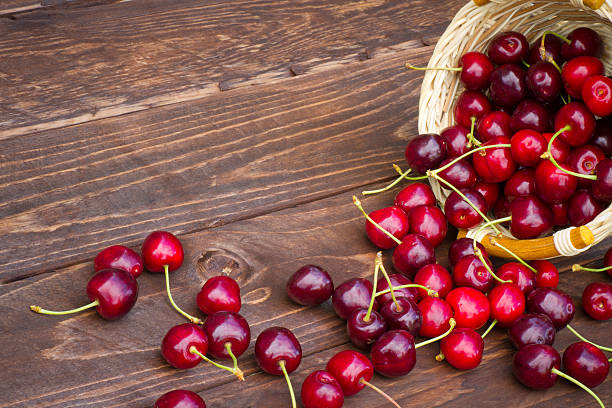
(583, 208)
(396, 279)
(228, 334)
(519, 274)
(351, 369)
(584, 160)
(413, 253)
(603, 136)
(597, 300)
(462, 348)
(597, 95)
(490, 192)
(435, 277)
(408, 317)
(184, 345)
(531, 328)
(552, 49)
(554, 303)
(495, 165)
(436, 314)
(394, 354)
(547, 275)
(507, 303)
(508, 47)
(602, 186)
(559, 211)
(414, 195)
(310, 285)
(321, 390)
(508, 86)
(428, 221)
(461, 214)
(119, 257)
(113, 292)
(494, 124)
(578, 121)
(351, 295)
(530, 114)
(471, 307)
(461, 174)
(476, 70)
(219, 293)
(530, 217)
(544, 82)
(553, 184)
(456, 139)
(559, 150)
(501, 209)
(582, 41)
(471, 106)
(180, 399)
(393, 219)
(586, 363)
(576, 72)
(533, 365)
(462, 247)
(469, 271)
(527, 146)
(520, 184)
(364, 328)
(425, 152)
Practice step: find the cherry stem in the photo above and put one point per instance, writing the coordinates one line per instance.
(386, 275)
(430, 292)
(237, 371)
(526, 64)
(378, 390)
(367, 217)
(578, 267)
(489, 224)
(410, 66)
(556, 35)
(282, 367)
(389, 186)
(194, 350)
(491, 326)
(440, 356)
(548, 155)
(515, 256)
(478, 253)
(452, 322)
(40, 310)
(581, 337)
(466, 154)
(373, 297)
(565, 102)
(471, 138)
(174, 305)
(578, 383)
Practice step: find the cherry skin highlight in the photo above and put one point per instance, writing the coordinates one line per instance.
(597, 95)
(321, 390)
(584, 160)
(531, 328)
(119, 257)
(527, 146)
(586, 363)
(552, 48)
(349, 368)
(580, 121)
(162, 248)
(275, 345)
(490, 192)
(520, 184)
(223, 328)
(310, 285)
(393, 354)
(508, 86)
(530, 217)
(115, 290)
(597, 300)
(494, 124)
(461, 174)
(530, 114)
(219, 293)
(180, 399)
(394, 220)
(476, 72)
(583, 208)
(177, 342)
(544, 82)
(553, 184)
(462, 348)
(471, 307)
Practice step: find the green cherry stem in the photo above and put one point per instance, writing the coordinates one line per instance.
(389, 186)
(373, 297)
(430, 292)
(548, 155)
(381, 392)
(410, 66)
(466, 154)
(471, 139)
(559, 36)
(581, 337)
(40, 310)
(526, 64)
(367, 217)
(195, 351)
(578, 267)
(237, 371)
(189, 317)
(478, 253)
(284, 370)
(386, 275)
(489, 224)
(491, 326)
(515, 256)
(578, 383)
(452, 322)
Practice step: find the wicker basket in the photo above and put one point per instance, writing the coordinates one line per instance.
(471, 30)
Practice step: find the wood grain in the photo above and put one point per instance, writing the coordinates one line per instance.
(65, 194)
(9, 7)
(85, 361)
(67, 66)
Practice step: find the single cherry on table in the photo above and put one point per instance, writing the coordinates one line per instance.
(597, 300)
(310, 285)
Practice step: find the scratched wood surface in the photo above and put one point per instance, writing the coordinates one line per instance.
(242, 126)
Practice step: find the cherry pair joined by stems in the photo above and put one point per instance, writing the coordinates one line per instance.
(180, 399)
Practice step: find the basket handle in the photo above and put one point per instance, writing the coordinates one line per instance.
(593, 4)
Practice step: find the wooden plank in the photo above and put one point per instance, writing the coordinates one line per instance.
(65, 194)
(82, 360)
(8, 7)
(66, 66)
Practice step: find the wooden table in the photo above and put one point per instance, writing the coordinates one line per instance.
(244, 127)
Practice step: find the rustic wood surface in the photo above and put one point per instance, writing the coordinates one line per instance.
(244, 127)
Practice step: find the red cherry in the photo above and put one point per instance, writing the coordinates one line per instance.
(577, 70)
(603, 136)
(508, 86)
(553, 184)
(471, 307)
(408, 317)
(544, 82)
(520, 184)
(413, 253)
(547, 276)
(394, 354)
(597, 95)
(459, 213)
(219, 293)
(495, 165)
(508, 47)
(469, 271)
(582, 41)
(435, 277)
(581, 123)
(490, 192)
(462, 247)
(533, 365)
(597, 300)
(363, 333)
(436, 315)
(527, 146)
(559, 149)
(554, 303)
(161, 248)
(180, 399)
(310, 285)
(462, 348)
(501, 209)
(507, 303)
(425, 152)
(228, 334)
(559, 211)
(414, 195)
(119, 257)
(476, 72)
(519, 274)
(471, 105)
(583, 208)
(584, 160)
(396, 280)
(350, 368)
(532, 115)
(586, 363)
(602, 186)
(392, 219)
(180, 341)
(531, 329)
(456, 140)
(321, 390)
(276, 347)
(428, 221)
(460, 174)
(351, 295)
(531, 218)
(494, 124)
(552, 47)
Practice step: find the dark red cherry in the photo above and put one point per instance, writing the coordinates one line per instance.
(393, 219)
(553, 184)
(559, 211)
(552, 49)
(435, 277)
(597, 95)
(501, 209)
(461, 174)
(583, 41)
(436, 314)
(544, 82)
(577, 70)
(414, 195)
(508, 86)
(393, 354)
(603, 136)
(530, 217)
(519, 274)
(554, 303)
(490, 192)
(470, 306)
(396, 280)
(602, 187)
(507, 303)
(119, 257)
(351, 295)
(494, 124)
(461, 214)
(321, 390)
(520, 184)
(559, 149)
(462, 247)
(425, 152)
(495, 165)
(530, 114)
(580, 121)
(180, 399)
(310, 285)
(583, 208)
(532, 366)
(223, 328)
(412, 254)
(275, 345)
(547, 276)
(469, 271)
(363, 333)
(532, 328)
(471, 105)
(161, 248)
(456, 140)
(527, 146)
(476, 72)
(584, 160)
(508, 47)
(219, 293)
(350, 368)
(430, 222)
(407, 317)
(586, 363)
(597, 300)
(462, 348)
(177, 342)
